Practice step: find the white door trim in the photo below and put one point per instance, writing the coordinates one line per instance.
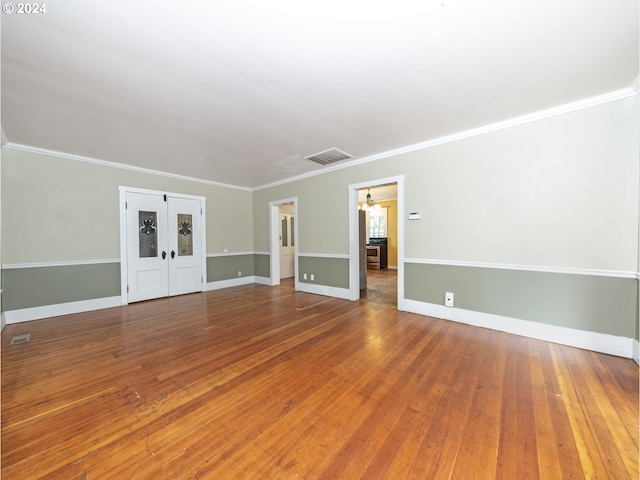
(354, 267)
(274, 240)
(124, 263)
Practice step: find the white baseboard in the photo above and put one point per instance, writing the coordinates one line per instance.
(323, 290)
(232, 282)
(598, 342)
(37, 313)
(56, 310)
(636, 351)
(262, 280)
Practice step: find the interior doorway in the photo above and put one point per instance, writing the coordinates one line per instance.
(378, 239)
(381, 244)
(283, 249)
(287, 241)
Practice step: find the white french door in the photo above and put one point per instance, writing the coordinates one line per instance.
(164, 245)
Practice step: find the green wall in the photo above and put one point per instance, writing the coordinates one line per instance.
(40, 286)
(585, 302)
(61, 227)
(558, 194)
(75, 206)
(261, 265)
(227, 267)
(331, 272)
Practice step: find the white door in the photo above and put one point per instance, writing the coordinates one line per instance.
(287, 245)
(185, 251)
(164, 246)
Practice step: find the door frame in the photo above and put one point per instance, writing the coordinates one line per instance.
(274, 240)
(124, 262)
(354, 240)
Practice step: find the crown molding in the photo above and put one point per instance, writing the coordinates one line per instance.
(531, 117)
(528, 118)
(105, 163)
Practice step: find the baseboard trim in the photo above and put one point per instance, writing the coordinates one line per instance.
(636, 351)
(232, 282)
(598, 342)
(56, 310)
(325, 290)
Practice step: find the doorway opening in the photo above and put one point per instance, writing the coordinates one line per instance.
(376, 253)
(378, 233)
(283, 215)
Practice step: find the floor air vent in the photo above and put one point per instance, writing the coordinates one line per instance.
(18, 339)
(329, 156)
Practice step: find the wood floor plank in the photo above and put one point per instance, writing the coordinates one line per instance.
(507, 461)
(265, 382)
(547, 451)
(526, 420)
(602, 436)
(441, 443)
(482, 414)
(564, 440)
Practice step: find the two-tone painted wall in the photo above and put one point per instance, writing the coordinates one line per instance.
(533, 225)
(60, 224)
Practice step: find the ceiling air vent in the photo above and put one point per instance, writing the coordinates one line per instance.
(329, 156)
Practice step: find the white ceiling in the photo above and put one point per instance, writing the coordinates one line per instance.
(239, 92)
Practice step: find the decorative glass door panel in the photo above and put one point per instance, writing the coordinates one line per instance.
(148, 234)
(185, 237)
(284, 236)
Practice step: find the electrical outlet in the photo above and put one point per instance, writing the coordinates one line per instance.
(304, 276)
(448, 299)
(239, 273)
(313, 277)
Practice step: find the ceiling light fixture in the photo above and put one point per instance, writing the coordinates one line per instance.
(369, 204)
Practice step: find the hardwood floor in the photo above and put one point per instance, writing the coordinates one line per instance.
(382, 287)
(256, 382)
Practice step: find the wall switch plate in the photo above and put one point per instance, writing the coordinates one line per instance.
(448, 299)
